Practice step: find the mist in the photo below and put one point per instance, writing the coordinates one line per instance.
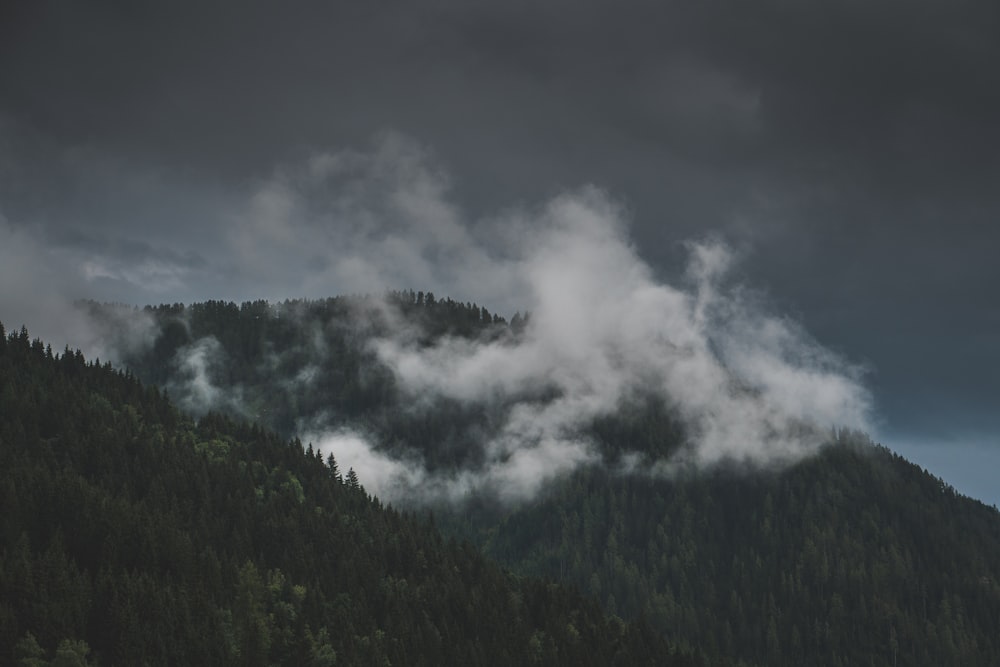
(748, 385)
(191, 384)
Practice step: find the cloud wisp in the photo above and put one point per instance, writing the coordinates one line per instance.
(192, 384)
(747, 385)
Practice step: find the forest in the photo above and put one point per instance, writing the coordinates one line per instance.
(134, 535)
(176, 476)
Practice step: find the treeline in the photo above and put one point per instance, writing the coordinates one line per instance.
(132, 535)
(280, 363)
(853, 557)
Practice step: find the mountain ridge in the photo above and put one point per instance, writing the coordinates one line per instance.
(134, 535)
(852, 555)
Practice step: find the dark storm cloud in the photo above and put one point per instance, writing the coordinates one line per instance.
(799, 91)
(850, 148)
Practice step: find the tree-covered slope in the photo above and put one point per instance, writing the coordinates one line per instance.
(854, 556)
(131, 535)
(287, 362)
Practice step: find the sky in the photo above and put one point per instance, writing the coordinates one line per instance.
(846, 153)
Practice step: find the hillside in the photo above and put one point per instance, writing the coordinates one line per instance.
(853, 556)
(133, 535)
(857, 556)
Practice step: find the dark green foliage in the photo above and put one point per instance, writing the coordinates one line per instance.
(280, 363)
(132, 535)
(853, 557)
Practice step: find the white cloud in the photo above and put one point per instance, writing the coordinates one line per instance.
(361, 222)
(408, 480)
(747, 384)
(192, 386)
(41, 284)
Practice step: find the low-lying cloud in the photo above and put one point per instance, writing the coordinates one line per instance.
(41, 290)
(747, 385)
(191, 384)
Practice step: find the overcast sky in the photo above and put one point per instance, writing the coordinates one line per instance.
(849, 153)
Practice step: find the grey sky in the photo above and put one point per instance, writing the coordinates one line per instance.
(849, 150)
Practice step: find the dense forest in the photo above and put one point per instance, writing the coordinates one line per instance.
(852, 557)
(855, 557)
(298, 360)
(131, 534)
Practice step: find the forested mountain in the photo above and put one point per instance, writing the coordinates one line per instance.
(854, 556)
(300, 360)
(132, 535)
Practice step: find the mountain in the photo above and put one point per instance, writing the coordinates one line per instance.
(134, 535)
(852, 556)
